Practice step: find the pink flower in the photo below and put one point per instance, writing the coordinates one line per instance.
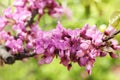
(19, 3)
(15, 45)
(80, 53)
(89, 68)
(110, 30)
(3, 23)
(5, 36)
(8, 13)
(21, 16)
(45, 60)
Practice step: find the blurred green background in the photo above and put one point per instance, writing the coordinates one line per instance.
(83, 11)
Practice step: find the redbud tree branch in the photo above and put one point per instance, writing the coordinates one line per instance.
(11, 58)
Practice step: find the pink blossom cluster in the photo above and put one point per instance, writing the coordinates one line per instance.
(18, 20)
(49, 6)
(23, 11)
(80, 46)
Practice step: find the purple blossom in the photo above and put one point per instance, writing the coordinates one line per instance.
(5, 36)
(20, 27)
(21, 16)
(3, 23)
(8, 13)
(19, 3)
(15, 45)
(88, 68)
(80, 53)
(110, 30)
(46, 60)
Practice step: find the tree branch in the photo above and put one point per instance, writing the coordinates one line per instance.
(9, 58)
(23, 55)
(12, 58)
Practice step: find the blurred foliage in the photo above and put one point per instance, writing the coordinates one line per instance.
(83, 11)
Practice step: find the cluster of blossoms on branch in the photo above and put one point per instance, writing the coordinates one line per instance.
(21, 35)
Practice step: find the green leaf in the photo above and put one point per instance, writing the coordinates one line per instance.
(115, 19)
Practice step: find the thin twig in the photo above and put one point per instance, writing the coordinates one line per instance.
(13, 58)
(24, 55)
(112, 36)
(9, 58)
(31, 21)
